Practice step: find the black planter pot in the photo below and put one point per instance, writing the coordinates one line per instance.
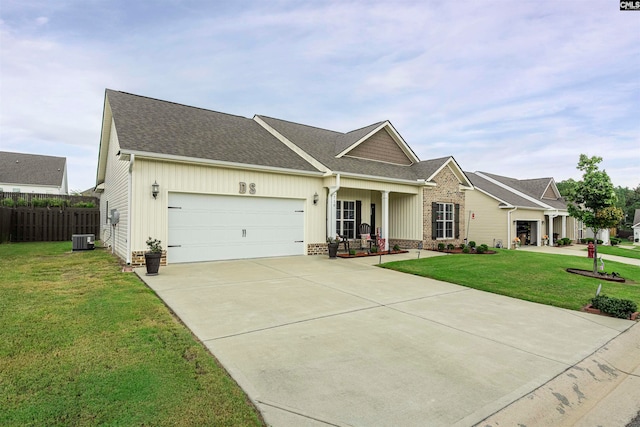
(152, 262)
(333, 249)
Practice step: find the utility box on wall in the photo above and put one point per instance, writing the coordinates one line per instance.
(83, 242)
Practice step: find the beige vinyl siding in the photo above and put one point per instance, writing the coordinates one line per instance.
(151, 215)
(115, 193)
(381, 147)
(490, 223)
(405, 216)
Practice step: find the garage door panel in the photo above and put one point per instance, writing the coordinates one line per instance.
(209, 227)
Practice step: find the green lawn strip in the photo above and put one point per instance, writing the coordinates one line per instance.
(624, 252)
(529, 276)
(82, 343)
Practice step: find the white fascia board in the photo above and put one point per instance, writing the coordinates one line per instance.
(219, 163)
(293, 147)
(514, 191)
(394, 134)
(418, 183)
(105, 135)
(554, 188)
(450, 160)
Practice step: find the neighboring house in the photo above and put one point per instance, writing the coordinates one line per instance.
(636, 226)
(32, 173)
(503, 208)
(230, 187)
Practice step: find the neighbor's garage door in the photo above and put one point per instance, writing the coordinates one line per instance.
(207, 228)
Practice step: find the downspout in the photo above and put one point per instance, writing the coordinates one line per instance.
(331, 209)
(509, 226)
(132, 159)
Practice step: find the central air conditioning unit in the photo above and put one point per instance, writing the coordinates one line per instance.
(83, 242)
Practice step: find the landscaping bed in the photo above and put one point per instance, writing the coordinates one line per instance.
(366, 254)
(597, 275)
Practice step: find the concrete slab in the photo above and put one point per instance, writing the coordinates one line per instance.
(318, 342)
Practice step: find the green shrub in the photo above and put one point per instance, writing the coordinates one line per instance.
(472, 244)
(374, 249)
(441, 246)
(396, 247)
(622, 308)
(56, 203)
(566, 241)
(352, 252)
(21, 202)
(615, 241)
(450, 246)
(465, 249)
(482, 249)
(8, 202)
(87, 205)
(39, 203)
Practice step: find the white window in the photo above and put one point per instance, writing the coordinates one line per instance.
(346, 218)
(16, 190)
(444, 221)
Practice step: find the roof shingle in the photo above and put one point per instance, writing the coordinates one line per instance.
(31, 169)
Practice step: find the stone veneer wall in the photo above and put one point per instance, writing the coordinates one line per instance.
(447, 191)
(317, 249)
(404, 244)
(137, 258)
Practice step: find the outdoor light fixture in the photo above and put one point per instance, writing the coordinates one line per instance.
(315, 199)
(155, 189)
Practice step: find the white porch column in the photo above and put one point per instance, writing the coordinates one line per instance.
(564, 226)
(385, 219)
(550, 227)
(331, 215)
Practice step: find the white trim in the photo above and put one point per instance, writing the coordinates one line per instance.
(446, 163)
(296, 149)
(554, 188)
(379, 161)
(418, 183)
(514, 191)
(220, 163)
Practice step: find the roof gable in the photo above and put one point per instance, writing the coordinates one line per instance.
(379, 142)
(538, 192)
(32, 169)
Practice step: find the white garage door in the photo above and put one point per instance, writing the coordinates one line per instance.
(208, 228)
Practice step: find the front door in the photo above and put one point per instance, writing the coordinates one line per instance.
(373, 218)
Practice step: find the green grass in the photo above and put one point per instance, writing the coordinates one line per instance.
(83, 344)
(624, 252)
(529, 276)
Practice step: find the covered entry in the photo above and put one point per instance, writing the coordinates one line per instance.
(206, 227)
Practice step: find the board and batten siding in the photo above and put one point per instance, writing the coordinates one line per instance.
(405, 216)
(115, 196)
(151, 215)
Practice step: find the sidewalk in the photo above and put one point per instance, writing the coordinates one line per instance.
(603, 389)
(578, 250)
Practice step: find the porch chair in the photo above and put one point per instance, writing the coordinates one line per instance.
(365, 235)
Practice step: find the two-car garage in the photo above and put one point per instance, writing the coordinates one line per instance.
(204, 227)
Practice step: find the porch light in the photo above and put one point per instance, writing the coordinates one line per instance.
(315, 198)
(155, 189)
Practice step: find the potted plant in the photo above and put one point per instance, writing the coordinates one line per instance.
(332, 245)
(152, 256)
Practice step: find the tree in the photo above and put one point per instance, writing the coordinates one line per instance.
(593, 200)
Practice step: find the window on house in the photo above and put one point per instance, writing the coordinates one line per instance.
(16, 190)
(444, 221)
(346, 218)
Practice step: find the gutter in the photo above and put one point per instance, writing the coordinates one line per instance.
(132, 160)
(331, 209)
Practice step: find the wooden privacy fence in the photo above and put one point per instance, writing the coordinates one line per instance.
(47, 225)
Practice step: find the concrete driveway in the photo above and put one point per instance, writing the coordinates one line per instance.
(317, 342)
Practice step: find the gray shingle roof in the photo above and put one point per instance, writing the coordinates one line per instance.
(324, 144)
(31, 169)
(534, 188)
(155, 126)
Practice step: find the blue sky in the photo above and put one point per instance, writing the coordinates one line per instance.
(515, 88)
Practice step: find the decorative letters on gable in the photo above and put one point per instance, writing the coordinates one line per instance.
(380, 147)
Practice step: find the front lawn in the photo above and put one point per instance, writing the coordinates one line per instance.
(525, 275)
(625, 252)
(83, 344)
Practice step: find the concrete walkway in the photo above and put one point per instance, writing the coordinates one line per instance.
(578, 250)
(317, 342)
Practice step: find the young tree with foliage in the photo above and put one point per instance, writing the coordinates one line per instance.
(593, 200)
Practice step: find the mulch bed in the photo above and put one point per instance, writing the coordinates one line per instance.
(597, 275)
(364, 254)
